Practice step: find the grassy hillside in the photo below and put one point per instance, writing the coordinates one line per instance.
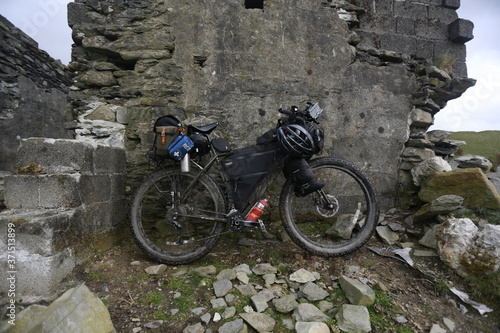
(486, 143)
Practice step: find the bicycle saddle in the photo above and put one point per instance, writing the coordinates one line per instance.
(205, 129)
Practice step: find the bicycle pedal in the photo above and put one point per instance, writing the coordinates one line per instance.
(267, 234)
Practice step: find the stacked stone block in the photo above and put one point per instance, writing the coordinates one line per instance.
(33, 93)
(73, 199)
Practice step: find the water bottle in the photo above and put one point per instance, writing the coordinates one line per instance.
(185, 165)
(257, 210)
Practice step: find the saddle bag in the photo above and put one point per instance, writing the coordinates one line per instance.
(166, 129)
(180, 147)
(245, 167)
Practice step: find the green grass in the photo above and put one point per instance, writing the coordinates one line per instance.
(486, 289)
(96, 276)
(383, 312)
(154, 297)
(485, 143)
(490, 215)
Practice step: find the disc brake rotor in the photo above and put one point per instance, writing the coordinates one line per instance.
(327, 209)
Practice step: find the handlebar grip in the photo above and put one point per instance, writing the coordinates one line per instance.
(287, 112)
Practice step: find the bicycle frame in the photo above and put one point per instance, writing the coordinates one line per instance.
(233, 216)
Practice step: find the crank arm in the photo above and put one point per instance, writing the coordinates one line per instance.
(179, 229)
(204, 218)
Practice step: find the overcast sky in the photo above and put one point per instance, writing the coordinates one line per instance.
(478, 109)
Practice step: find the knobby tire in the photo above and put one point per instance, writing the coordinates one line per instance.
(160, 207)
(325, 231)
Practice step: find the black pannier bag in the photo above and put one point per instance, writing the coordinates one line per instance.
(245, 167)
(166, 129)
(302, 175)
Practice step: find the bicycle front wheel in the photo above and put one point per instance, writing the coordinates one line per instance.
(175, 216)
(338, 219)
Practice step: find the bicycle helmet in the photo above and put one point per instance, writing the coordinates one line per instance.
(295, 140)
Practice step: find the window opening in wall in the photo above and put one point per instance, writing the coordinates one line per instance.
(254, 4)
(200, 61)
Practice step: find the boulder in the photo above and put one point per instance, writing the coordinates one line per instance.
(429, 168)
(442, 205)
(453, 238)
(470, 184)
(77, 310)
(468, 250)
(483, 254)
(474, 161)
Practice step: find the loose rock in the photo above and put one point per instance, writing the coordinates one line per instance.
(222, 287)
(302, 327)
(196, 328)
(309, 312)
(357, 292)
(353, 318)
(302, 276)
(259, 321)
(235, 326)
(261, 269)
(285, 304)
(313, 292)
(156, 270)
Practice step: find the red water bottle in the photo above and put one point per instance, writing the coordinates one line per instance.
(257, 210)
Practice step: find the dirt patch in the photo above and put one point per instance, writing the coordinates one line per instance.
(136, 299)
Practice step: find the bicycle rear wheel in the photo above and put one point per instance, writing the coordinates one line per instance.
(171, 225)
(336, 220)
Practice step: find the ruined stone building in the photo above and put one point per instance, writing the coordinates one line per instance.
(368, 63)
(381, 69)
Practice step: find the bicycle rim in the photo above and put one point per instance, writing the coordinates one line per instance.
(172, 230)
(339, 225)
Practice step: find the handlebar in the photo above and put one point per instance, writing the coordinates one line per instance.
(310, 113)
(287, 112)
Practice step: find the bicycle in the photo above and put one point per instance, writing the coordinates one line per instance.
(182, 207)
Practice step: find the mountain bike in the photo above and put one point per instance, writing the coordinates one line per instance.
(327, 205)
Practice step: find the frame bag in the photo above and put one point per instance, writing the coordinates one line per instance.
(245, 167)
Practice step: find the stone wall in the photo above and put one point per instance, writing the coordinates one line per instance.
(364, 61)
(33, 93)
(67, 204)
